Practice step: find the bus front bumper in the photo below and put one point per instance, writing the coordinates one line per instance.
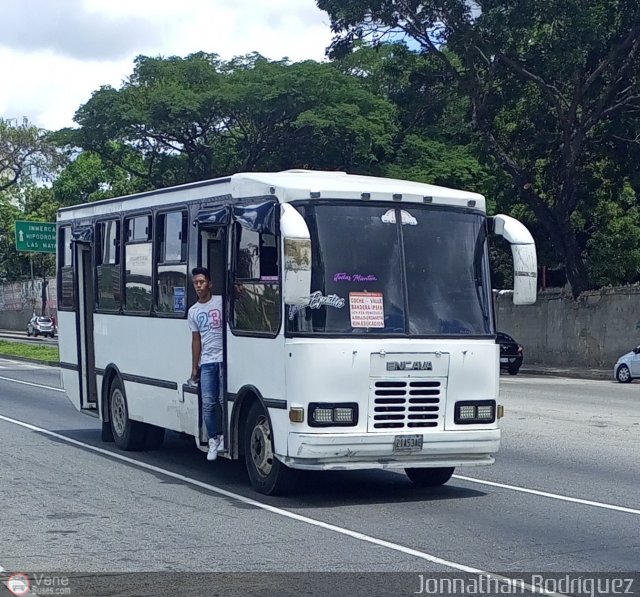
(345, 451)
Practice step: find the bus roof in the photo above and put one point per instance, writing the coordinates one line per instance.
(286, 186)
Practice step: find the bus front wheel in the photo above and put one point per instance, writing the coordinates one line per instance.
(128, 435)
(267, 474)
(429, 477)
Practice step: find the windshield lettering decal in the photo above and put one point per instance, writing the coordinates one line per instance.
(345, 277)
(317, 300)
(389, 217)
(366, 309)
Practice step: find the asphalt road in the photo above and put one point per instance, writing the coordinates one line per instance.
(561, 498)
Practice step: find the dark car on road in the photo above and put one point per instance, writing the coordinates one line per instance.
(510, 353)
(41, 326)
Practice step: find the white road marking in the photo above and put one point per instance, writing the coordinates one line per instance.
(28, 383)
(512, 582)
(555, 496)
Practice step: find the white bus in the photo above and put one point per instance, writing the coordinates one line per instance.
(359, 320)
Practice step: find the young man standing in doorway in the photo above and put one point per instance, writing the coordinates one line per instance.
(205, 322)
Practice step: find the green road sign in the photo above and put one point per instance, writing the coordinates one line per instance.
(35, 237)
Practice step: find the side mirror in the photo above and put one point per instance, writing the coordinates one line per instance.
(636, 349)
(525, 261)
(297, 256)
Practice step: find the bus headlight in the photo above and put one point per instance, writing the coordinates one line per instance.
(472, 412)
(340, 414)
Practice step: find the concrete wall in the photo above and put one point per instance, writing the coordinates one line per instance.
(592, 331)
(19, 300)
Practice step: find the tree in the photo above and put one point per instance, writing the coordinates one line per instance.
(89, 177)
(26, 151)
(550, 83)
(24, 201)
(177, 120)
(434, 143)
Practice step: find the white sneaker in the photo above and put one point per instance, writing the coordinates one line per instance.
(221, 443)
(212, 454)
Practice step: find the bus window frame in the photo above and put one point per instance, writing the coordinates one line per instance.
(163, 211)
(126, 217)
(60, 248)
(234, 227)
(98, 222)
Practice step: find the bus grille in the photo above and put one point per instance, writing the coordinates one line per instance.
(406, 404)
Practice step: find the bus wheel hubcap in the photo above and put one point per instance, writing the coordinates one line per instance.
(261, 452)
(118, 416)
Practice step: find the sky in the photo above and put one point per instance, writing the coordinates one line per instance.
(55, 53)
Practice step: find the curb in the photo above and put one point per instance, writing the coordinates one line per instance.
(580, 374)
(11, 357)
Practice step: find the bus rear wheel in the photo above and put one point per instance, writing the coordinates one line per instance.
(128, 435)
(267, 474)
(429, 477)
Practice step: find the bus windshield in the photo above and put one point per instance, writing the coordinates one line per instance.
(410, 270)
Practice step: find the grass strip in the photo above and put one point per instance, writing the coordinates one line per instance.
(48, 354)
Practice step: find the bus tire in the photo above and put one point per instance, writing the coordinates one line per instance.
(106, 435)
(154, 437)
(429, 477)
(267, 474)
(128, 435)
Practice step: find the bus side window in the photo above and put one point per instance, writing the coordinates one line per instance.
(256, 300)
(65, 267)
(171, 262)
(109, 295)
(138, 266)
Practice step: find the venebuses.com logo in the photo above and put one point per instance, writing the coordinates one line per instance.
(19, 584)
(38, 584)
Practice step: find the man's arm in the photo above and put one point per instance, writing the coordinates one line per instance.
(196, 349)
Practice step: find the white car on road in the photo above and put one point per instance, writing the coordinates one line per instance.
(628, 366)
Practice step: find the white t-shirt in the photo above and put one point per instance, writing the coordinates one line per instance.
(206, 318)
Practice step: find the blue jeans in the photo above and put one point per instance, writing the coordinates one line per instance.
(210, 390)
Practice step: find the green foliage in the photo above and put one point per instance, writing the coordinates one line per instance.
(26, 152)
(38, 353)
(184, 119)
(614, 247)
(436, 162)
(552, 86)
(24, 201)
(90, 178)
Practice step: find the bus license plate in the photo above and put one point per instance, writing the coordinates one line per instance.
(407, 443)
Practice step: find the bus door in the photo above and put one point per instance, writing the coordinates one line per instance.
(213, 254)
(84, 325)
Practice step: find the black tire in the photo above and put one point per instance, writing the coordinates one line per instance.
(429, 477)
(267, 474)
(28, 334)
(129, 435)
(106, 434)
(154, 437)
(513, 370)
(623, 375)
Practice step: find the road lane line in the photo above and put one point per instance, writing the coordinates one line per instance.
(28, 383)
(555, 496)
(512, 582)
